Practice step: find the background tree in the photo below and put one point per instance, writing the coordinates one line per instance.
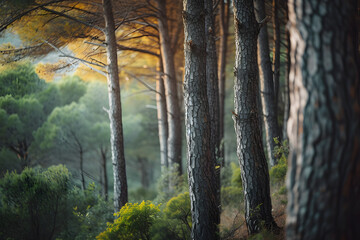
(267, 90)
(20, 117)
(324, 122)
(254, 168)
(224, 18)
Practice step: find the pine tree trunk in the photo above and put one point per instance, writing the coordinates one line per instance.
(83, 186)
(266, 84)
(103, 164)
(162, 118)
(213, 94)
(276, 53)
(224, 29)
(115, 115)
(201, 167)
(254, 168)
(172, 101)
(287, 90)
(324, 124)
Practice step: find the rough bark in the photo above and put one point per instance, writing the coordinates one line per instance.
(201, 167)
(115, 115)
(213, 94)
(224, 30)
(254, 168)
(162, 118)
(324, 124)
(172, 101)
(266, 84)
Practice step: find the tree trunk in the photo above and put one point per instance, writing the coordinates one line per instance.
(83, 186)
(266, 86)
(162, 118)
(103, 164)
(254, 168)
(172, 101)
(201, 167)
(324, 123)
(287, 90)
(213, 94)
(276, 53)
(224, 29)
(116, 129)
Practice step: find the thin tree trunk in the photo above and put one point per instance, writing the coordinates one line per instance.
(162, 117)
(287, 89)
(276, 52)
(172, 101)
(324, 123)
(115, 115)
(213, 94)
(253, 164)
(266, 86)
(224, 29)
(104, 167)
(83, 186)
(201, 167)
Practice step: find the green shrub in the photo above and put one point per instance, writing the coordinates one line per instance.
(232, 195)
(133, 222)
(30, 201)
(236, 180)
(43, 204)
(281, 151)
(175, 222)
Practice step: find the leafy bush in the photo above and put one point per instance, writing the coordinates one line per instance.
(133, 222)
(43, 204)
(281, 151)
(232, 194)
(32, 203)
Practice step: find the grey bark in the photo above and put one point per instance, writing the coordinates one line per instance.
(201, 167)
(115, 115)
(266, 84)
(253, 164)
(162, 118)
(324, 125)
(213, 95)
(224, 30)
(172, 100)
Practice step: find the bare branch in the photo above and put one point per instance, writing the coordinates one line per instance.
(73, 19)
(124, 48)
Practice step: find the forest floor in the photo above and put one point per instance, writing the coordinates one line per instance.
(233, 221)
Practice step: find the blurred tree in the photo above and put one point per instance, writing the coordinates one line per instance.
(66, 128)
(224, 17)
(19, 80)
(324, 123)
(71, 89)
(19, 119)
(171, 89)
(31, 203)
(267, 90)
